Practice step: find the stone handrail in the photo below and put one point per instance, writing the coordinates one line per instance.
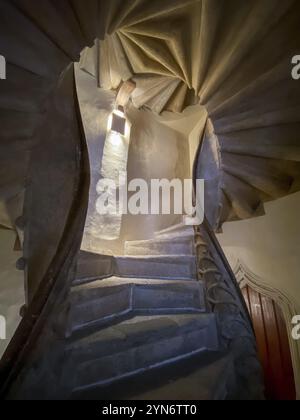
(59, 272)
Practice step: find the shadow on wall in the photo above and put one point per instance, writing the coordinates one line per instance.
(12, 296)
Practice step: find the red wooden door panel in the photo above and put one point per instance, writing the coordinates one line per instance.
(273, 345)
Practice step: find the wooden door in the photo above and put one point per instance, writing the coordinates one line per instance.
(273, 345)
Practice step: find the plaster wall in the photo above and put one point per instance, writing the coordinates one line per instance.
(190, 123)
(157, 151)
(269, 245)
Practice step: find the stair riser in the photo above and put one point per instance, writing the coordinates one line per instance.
(178, 228)
(167, 299)
(178, 268)
(183, 235)
(99, 311)
(97, 267)
(167, 248)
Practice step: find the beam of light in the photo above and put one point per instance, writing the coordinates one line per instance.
(115, 139)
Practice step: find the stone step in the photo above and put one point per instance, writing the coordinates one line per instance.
(87, 15)
(41, 55)
(205, 377)
(176, 231)
(93, 266)
(15, 124)
(66, 33)
(201, 377)
(265, 175)
(179, 267)
(140, 344)
(23, 91)
(105, 301)
(160, 246)
(245, 199)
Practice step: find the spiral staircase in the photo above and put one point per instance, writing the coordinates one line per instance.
(192, 330)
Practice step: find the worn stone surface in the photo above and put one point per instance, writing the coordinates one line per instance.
(169, 267)
(93, 266)
(51, 188)
(166, 246)
(141, 343)
(104, 301)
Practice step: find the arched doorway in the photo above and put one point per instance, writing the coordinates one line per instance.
(273, 345)
(271, 312)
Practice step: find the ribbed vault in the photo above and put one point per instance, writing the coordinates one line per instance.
(232, 57)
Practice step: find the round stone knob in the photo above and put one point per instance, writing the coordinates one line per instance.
(21, 264)
(23, 310)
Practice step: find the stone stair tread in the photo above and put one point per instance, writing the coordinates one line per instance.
(207, 382)
(156, 240)
(196, 378)
(105, 269)
(158, 246)
(106, 286)
(140, 344)
(117, 280)
(87, 14)
(23, 91)
(178, 228)
(135, 331)
(41, 56)
(66, 33)
(105, 301)
(176, 235)
(155, 257)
